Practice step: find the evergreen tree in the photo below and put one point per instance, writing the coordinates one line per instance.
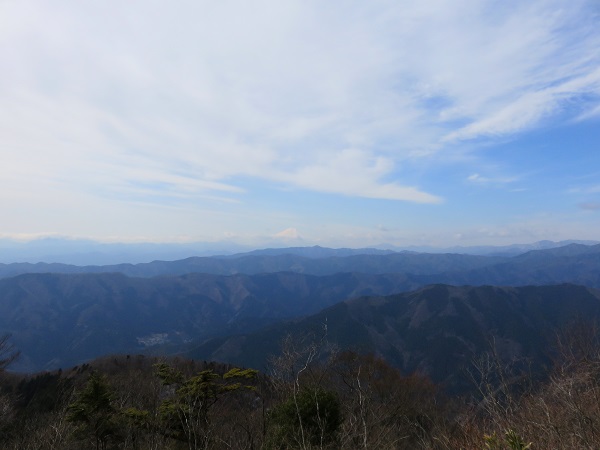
(93, 412)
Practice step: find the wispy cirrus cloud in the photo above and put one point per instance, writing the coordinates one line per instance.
(189, 100)
(590, 113)
(231, 96)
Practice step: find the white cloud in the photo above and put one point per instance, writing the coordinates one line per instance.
(590, 113)
(479, 179)
(288, 233)
(353, 172)
(183, 100)
(529, 108)
(589, 189)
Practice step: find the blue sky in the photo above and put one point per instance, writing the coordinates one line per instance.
(338, 123)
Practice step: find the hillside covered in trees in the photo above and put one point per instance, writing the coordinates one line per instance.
(310, 398)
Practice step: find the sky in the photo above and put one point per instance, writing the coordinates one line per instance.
(334, 123)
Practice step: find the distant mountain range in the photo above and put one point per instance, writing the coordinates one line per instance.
(89, 252)
(414, 263)
(499, 250)
(238, 307)
(573, 263)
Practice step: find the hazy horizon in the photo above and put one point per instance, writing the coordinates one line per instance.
(88, 252)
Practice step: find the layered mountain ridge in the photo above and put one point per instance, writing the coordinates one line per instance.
(62, 315)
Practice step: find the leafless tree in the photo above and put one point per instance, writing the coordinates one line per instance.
(8, 353)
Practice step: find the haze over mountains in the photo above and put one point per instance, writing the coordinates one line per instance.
(89, 252)
(415, 263)
(60, 315)
(321, 261)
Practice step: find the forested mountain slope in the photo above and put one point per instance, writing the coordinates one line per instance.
(61, 319)
(438, 330)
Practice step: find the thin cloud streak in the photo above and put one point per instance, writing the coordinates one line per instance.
(479, 179)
